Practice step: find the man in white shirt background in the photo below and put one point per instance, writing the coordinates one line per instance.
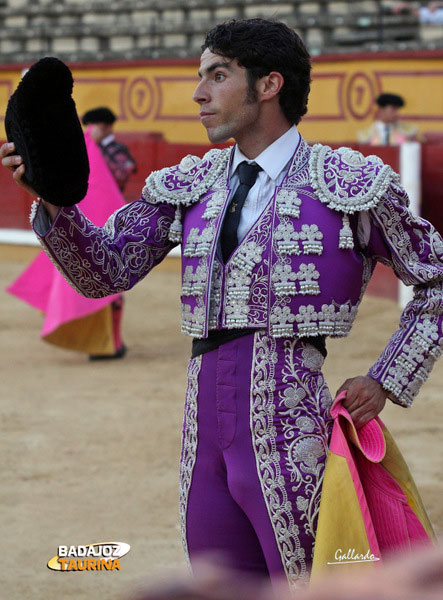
(388, 129)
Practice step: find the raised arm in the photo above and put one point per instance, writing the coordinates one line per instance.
(99, 261)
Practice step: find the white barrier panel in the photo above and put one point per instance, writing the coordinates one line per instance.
(18, 237)
(410, 178)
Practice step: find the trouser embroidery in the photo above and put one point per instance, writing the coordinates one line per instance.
(251, 485)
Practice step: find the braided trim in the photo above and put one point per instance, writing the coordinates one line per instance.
(346, 180)
(185, 183)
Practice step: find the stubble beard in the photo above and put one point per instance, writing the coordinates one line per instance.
(219, 134)
(226, 131)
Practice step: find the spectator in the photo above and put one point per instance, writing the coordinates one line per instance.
(118, 157)
(432, 14)
(388, 130)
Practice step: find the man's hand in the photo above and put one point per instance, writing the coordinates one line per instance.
(15, 163)
(365, 398)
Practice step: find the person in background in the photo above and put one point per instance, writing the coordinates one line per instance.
(117, 156)
(100, 126)
(432, 14)
(71, 321)
(388, 129)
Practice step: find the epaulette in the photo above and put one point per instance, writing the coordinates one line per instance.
(346, 180)
(184, 184)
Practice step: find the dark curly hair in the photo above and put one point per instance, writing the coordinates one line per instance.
(262, 46)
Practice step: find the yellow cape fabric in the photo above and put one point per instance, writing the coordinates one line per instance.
(91, 334)
(341, 530)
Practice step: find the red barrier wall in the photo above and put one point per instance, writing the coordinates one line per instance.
(15, 203)
(432, 184)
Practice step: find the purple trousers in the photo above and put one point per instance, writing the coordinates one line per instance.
(255, 439)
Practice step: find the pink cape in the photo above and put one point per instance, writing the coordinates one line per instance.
(370, 505)
(41, 285)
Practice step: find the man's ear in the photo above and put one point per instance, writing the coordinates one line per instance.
(270, 85)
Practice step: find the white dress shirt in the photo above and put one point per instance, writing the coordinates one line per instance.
(274, 161)
(430, 17)
(108, 139)
(384, 132)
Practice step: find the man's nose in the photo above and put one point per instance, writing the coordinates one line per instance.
(200, 94)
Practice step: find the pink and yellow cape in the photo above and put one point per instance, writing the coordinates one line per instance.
(71, 320)
(370, 506)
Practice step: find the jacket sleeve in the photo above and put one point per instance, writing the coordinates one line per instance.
(414, 249)
(100, 261)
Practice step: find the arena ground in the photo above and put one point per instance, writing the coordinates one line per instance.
(90, 451)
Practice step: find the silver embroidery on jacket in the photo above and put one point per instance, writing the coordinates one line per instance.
(346, 180)
(199, 243)
(412, 351)
(187, 182)
(121, 266)
(311, 239)
(288, 203)
(287, 239)
(215, 303)
(287, 282)
(238, 282)
(281, 321)
(193, 321)
(332, 319)
(307, 276)
(247, 281)
(215, 204)
(194, 283)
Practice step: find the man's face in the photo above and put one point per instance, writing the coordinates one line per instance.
(99, 131)
(388, 114)
(227, 106)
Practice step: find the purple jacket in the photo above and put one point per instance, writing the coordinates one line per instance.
(302, 268)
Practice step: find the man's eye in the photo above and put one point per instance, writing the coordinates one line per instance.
(219, 76)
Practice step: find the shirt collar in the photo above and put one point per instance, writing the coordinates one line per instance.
(275, 157)
(108, 139)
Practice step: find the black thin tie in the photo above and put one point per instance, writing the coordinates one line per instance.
(247, 174)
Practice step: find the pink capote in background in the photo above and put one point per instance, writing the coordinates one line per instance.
(41, 285)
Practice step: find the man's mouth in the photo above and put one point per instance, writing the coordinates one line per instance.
(205, 115)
